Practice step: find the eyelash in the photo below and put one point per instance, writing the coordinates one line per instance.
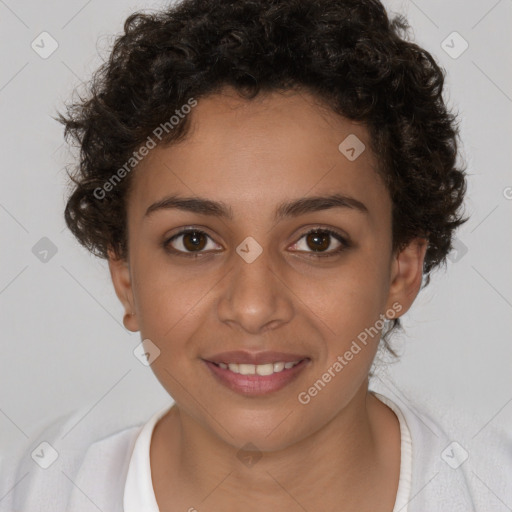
(344, 243)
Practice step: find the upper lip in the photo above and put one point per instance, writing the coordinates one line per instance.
(242, 357)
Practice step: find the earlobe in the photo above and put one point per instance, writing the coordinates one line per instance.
(121, 279)
(407, 274)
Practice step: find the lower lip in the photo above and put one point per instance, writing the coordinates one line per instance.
(256, 385)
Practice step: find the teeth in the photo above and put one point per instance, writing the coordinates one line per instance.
(233, 367)
(246, 369)
(265, 369)
(258, 369)
(278, 367)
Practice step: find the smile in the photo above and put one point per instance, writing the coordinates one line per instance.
(256, 379)
(258, 369)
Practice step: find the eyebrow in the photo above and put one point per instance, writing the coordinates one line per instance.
(287, 209)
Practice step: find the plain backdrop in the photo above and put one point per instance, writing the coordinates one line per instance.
(63, 343)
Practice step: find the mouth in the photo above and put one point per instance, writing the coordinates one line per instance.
(273, 373)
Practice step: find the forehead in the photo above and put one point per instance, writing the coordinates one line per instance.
(260, 151)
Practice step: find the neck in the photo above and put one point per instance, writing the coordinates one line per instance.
(348, 460)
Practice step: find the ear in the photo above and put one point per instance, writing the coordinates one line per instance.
(407, 274)
(121, 279)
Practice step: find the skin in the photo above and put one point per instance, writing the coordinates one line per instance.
(339, 452)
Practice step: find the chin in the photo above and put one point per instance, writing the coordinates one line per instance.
(262, 431)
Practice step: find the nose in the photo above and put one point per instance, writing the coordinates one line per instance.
(255, 297)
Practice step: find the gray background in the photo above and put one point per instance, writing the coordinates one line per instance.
(63, 343)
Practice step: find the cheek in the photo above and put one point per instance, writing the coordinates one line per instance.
(347, 299)
(169, 300)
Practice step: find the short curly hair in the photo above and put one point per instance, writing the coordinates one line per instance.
(348, 53)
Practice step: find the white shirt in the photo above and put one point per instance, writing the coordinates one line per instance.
(107, 468)
(138, 490)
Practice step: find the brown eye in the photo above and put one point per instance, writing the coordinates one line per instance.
(194, 241)
(319, 240)
(188, 242)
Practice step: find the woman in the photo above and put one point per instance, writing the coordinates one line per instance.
(271, 183)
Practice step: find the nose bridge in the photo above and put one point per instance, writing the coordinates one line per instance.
(255, 297)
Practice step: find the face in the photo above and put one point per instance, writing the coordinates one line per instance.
(258, 268)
